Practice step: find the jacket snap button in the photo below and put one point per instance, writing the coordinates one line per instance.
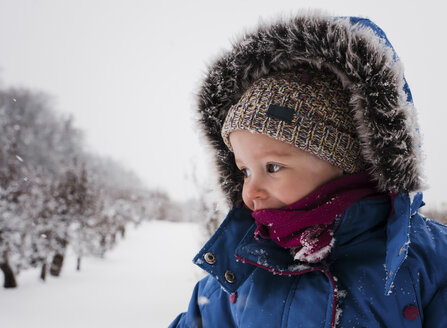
(230, 277)
(411, 312)
(210, 258)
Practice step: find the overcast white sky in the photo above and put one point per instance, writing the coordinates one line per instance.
(127, 70)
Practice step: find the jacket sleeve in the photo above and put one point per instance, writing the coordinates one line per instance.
(435, 314)
(192, 318)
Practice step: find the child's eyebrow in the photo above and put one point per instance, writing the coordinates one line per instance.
(269, 153)
(278, 153)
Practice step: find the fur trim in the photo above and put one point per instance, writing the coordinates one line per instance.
(357, 51)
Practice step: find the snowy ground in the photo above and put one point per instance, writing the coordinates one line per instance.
(144, 282)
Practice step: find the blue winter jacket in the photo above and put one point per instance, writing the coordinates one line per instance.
(388, 268)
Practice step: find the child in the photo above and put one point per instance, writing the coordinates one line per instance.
(318, 152)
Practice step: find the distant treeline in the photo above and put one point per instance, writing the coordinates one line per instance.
(438, 214)
(54, 195)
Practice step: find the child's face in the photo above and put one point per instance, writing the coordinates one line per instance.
(277, 174)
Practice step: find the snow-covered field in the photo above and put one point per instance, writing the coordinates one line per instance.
(144, 282)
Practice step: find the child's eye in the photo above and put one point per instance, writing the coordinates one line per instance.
(245, 172)
(273, 168)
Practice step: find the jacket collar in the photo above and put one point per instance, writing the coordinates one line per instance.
(405, 206)
(217, 257)
(235, 237)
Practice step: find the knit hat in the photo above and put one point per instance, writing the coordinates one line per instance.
(306, 108)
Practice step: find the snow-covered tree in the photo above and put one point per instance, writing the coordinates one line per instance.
(54, 195)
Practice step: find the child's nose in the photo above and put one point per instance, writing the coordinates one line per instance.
(255, 189)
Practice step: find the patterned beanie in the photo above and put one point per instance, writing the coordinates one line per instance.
(306, 108)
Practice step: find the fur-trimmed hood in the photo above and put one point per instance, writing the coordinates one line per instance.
(353, 48)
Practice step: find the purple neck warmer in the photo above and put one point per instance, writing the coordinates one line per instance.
(306, 227)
